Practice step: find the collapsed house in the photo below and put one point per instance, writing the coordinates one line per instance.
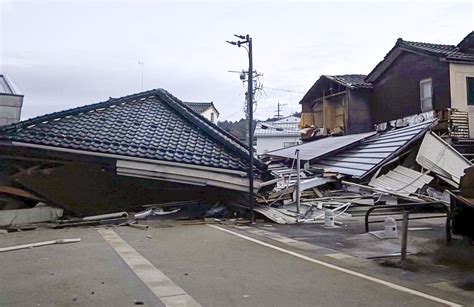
(402, 169)
(121, 153)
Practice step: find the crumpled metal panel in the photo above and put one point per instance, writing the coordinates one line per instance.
(441, 158)
(362, 159)
(401, 180)
(318, 148)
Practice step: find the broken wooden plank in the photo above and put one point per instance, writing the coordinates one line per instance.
(317, 192)
(18, 193)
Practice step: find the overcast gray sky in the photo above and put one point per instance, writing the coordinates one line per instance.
(63, 54)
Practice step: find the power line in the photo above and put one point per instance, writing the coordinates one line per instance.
(282, 90)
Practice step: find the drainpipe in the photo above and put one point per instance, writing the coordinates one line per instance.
(297, 152)
(346, 115)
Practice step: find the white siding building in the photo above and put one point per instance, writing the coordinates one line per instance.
(277, 134)
(206, 110)
(11, 102)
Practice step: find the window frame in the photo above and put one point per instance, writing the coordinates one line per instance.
(422, 99)
(468, 94)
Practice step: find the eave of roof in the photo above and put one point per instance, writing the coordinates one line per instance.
(336, 79)
(351, 81)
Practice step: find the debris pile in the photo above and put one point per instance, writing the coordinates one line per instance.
(407, 169)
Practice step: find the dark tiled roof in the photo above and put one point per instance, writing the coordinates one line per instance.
(351, 81)
(152, 125)
(467, 43)
(449, 53)
(199, 107)
(438, 49)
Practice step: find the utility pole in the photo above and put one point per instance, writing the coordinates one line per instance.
(247, 40)
(140, 63)
(279, 105)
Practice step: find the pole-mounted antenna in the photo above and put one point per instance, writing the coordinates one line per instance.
(140, 63)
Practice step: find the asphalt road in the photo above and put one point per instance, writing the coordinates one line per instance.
(215, 268)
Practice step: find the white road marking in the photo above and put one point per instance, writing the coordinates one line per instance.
(339, 256)
(164, 288)
(337, 268)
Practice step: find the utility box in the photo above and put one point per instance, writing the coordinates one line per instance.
(11, 102)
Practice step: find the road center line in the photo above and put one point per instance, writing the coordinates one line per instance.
(162, 287)
(340, 269)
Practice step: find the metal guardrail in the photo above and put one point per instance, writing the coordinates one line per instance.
(411, 208)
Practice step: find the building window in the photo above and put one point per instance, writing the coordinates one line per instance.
(470, 90)
(212, 117)
(426, 95)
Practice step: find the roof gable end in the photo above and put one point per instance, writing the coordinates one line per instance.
(450, 53)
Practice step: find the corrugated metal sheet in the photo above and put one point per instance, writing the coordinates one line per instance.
(401, 180)
(318, 148)
(361, 160)
(439, 157)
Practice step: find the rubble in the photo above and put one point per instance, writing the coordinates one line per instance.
(442, 159)
(359, 172)
(38, 214)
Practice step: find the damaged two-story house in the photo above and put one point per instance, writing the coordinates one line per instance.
(337, 104)
(414, 78)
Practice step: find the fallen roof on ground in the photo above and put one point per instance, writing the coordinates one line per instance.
(363, 159)
(87, 159)
(151, 125)
(321, 147)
